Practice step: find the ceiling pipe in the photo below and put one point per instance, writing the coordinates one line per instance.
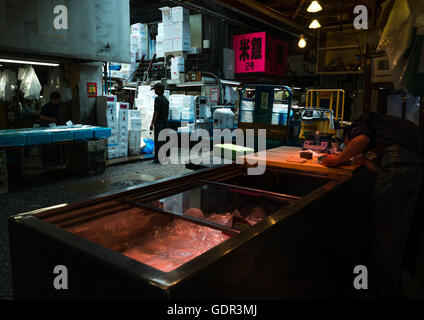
(274, 14)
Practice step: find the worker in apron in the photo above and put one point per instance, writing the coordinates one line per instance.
(160, 117)
(393, 148)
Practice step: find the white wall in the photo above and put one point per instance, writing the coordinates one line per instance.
(27, 26)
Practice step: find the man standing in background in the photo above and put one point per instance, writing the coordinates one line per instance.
(160, 117)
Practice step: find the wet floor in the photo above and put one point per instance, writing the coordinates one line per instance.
(112, 184)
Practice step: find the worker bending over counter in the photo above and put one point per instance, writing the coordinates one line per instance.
(394, 149)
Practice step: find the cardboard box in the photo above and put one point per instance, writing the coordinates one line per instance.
(194, 76)
(180, 14)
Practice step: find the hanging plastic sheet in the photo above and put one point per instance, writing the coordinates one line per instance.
(30, 85)
(413, 79)
(56, 83)
(399, 18)
(8, 85)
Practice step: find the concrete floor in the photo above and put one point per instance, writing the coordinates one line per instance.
(64, 189)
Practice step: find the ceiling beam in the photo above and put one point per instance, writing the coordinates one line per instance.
(299, 6)
(263, 9)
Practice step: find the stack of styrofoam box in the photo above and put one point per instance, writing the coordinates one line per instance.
(145, 103)
(107, 117)
(134, 141)
(181, 36)
(188, 109)
(139, 40)
(177, 67)
(160, 53)
(167, 29)
(176, 103)
(123, 121)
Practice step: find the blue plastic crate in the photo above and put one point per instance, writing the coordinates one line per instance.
(38, 137)
(13, 139)
(61, 136)
(102, 133)
(83, 134)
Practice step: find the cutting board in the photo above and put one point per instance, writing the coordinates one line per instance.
(278, 158)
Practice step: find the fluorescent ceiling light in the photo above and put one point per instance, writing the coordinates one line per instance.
(314, 7)
(130, 88)
(235, 83)
(314, 25)
(30, 62)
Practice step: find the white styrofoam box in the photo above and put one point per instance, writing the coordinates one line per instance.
(168, 45)
(134, 135)
(160, 52)
(113, 126)
(135, 114)
(139, 28)
(136, 126)
(160, 29)
(111, 99)
(159, 38)
(180, 14)
(167, 31)
(181, 43)
(166, 14)
(138, 102)
(112, 140)
(189, 101)
(181, 29)
(112, 155)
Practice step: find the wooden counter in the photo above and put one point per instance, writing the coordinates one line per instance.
(278, 158)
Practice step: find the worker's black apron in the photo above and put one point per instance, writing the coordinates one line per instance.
(396, 195)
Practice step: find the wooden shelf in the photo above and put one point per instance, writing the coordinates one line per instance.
(340, 49)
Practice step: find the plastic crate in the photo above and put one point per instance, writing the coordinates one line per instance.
(13, 139)
(62, 136)
(35, 138)
(102, 133)
(83, 134)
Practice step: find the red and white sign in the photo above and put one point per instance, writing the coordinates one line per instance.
(256, 52)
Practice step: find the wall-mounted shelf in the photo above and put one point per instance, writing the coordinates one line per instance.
(340, 51)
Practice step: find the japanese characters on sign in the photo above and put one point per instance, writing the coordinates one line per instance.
(255, 52)
(250, 52)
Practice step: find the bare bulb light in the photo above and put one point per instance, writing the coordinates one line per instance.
(314, 7)
(314, 25)
(302, 42)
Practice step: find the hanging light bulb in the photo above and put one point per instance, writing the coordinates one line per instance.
(302, 42)
(314, 7)
(314, 25)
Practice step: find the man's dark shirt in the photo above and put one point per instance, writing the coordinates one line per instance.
(52, 111)
(162, 108)
(388, 130)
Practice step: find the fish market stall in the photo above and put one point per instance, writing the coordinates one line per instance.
(214, 233)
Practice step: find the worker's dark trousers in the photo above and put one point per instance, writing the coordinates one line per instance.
(158, 144)
(396, 195)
